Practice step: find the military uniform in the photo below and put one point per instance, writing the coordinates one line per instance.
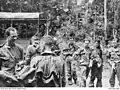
(71, 69)
(96, 67)
(83, 59)
(31, 52)
(9, 57)
(71, 64)
(51, 67)
(114, 61)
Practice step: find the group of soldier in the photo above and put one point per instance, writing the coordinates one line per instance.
(85, 61)
(81, 62)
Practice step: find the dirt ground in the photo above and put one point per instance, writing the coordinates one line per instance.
(105, 79)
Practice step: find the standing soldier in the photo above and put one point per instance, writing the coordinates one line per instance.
(96, 65)
(82, 55)
(33, 49)
(11, 54)
(71, 64)
(114, 61)
(49, 66)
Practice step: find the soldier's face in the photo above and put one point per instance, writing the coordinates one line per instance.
(86, 43)
(114, 44)
(35, 43)
(13, 36)
(97, 44)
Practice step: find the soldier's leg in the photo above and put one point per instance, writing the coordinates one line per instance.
(74, 74)
(92, 76)
(63, 76)
(75, 77)
(83, 76)
(112, 79)
(118, 72)
(99, 77)
(87, 72)
(69, 72)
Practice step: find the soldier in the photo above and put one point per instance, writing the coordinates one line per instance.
(82, 55)
(49, 66)
(71, 65)
(33, 49)
(114, 61)
(96, 65)
(11, 54)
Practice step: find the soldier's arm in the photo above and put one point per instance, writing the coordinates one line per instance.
(101, 55)
(118, 53)
(76, 53)
(0, 59)
(108, 58)
(28, 55)
(21, 51)
(22, 56)
(79, 51)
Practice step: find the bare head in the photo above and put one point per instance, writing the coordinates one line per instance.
(35, 40)
(48, 42)
(114, 43)
(11, 34)
(97, 43)
(86, 43)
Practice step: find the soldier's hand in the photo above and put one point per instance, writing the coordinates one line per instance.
(113, 66)
(81, 61)
(21, 63)
(91, 63)
(4, 58)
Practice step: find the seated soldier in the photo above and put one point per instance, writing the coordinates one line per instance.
(33, 49)
(11, 54)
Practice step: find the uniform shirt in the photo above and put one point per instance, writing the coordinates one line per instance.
(84, 55)
(97, 55)
(13, 55)
(114, 54)
(30, 53)
(47, 63)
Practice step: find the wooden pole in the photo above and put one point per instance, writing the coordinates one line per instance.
(47, 24)
(11, 18)
(77, 21)
(95, 26)
(47, 27)
(114, 30)
(38, 24)
(20, 5)
(105, 17)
